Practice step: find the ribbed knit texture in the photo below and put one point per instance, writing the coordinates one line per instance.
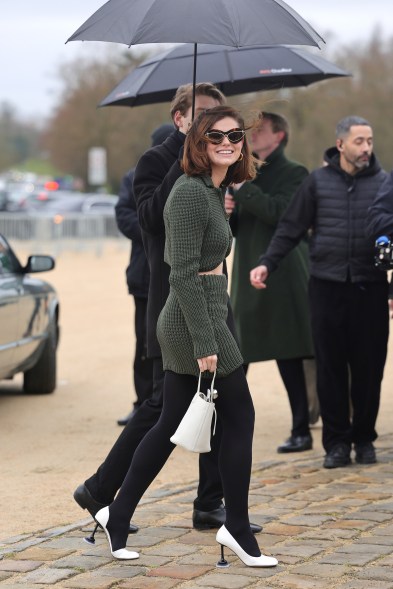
(192, 323)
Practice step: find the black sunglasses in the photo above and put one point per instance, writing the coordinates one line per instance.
(233, 135)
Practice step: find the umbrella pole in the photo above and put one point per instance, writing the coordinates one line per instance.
(194, 79)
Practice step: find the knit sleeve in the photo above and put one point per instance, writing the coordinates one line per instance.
(188, 217)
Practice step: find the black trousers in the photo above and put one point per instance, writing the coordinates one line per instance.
(143, 366)
(110, 475)
(292, 375)
(235, 413)
(350, 325)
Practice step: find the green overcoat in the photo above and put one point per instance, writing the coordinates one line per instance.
(274, 323)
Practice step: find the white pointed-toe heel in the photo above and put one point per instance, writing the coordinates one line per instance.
(102, 518)
(226, 539)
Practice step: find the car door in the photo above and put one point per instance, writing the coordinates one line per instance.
(10, 290)
(33, 317)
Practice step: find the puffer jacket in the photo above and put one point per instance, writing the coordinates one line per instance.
(333, 205)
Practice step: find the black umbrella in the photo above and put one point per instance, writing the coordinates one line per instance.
(234, 71)
(236, 23)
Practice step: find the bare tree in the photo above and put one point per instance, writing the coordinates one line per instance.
(313, 112)
(77, 124)
(18, 139)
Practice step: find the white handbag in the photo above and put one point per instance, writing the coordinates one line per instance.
(195, 429)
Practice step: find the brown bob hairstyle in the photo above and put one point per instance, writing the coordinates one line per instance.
(195, 159)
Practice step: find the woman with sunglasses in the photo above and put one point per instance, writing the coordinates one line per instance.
(194, 336)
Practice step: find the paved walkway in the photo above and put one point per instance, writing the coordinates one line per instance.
(328, 528)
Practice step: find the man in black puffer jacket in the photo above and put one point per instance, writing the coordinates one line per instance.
(348, 295)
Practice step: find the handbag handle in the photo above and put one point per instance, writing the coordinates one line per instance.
(209, 398)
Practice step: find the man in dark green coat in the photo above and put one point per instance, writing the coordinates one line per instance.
(272, 324)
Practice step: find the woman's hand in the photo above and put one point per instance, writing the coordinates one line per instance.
(208, 363)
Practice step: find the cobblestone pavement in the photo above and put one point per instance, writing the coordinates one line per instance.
(328, 528)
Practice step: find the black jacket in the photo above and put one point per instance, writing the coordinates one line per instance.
(137, 272)
(155, 174)
(333, 204)
(380, 214)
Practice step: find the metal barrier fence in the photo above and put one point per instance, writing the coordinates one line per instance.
(77, 231)
(44, 228)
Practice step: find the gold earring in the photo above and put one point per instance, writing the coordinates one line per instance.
(241, 156)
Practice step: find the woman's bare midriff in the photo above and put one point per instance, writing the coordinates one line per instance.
(217, 270)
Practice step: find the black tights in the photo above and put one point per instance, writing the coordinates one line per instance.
(235, 411)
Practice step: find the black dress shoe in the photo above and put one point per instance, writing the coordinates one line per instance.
(365, 453)
(124, 420)
(85, 500)
(296, 444)
(211, 520)
(339, 455)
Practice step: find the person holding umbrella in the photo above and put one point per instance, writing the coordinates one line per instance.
(194, 335)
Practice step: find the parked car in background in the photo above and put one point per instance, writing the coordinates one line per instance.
(53, 203)
(17, 194)
(29, 321)
(60, 202)
(103, 204)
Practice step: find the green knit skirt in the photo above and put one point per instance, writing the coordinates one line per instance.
(175, 340)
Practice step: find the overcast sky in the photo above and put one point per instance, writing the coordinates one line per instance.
(33, 35)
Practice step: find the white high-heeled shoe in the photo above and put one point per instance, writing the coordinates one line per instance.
(102, 518)
(226, 539)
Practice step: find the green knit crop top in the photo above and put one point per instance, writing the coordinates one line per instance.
(198, 238)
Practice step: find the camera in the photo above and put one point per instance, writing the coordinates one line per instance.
(383, 257)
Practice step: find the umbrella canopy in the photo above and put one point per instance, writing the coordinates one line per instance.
(234, 71)
(235, 23)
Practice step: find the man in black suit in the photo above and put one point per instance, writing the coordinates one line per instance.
(138, 278)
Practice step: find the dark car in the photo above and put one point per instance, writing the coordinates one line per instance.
(29, 321)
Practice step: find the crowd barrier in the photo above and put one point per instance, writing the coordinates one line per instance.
(56, 234)
(47, 228)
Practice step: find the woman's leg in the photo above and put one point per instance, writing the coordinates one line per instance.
(236, 412)
(150, 455)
